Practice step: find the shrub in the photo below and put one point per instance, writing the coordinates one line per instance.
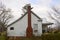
(47, 36)
(51, 36)
(3, 36)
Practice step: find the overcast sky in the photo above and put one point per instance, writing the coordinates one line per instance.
(40, 7)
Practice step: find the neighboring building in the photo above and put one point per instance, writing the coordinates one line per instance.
(45, 25)
(26, 26)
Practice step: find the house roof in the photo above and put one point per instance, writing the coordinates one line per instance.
(47, 23)
(22, 17)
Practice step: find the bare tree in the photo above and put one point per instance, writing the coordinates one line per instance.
(5, 16)
(55, 16)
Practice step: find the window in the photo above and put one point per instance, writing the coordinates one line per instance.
(12, 28)
(35, 28)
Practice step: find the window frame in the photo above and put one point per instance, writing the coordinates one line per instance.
(35, 27)
(11, 28)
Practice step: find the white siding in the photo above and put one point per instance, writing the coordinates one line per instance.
(35, 21)
(19, 28)
(39, 28)
(21, 25)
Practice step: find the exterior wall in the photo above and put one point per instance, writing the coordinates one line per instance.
(19, 28)
(40, 28)
(39, 23)
(21, 25)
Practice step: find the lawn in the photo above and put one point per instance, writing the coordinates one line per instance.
(48, 36)
(3, 36)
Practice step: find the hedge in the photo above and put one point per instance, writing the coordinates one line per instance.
(3, 36)
(51, 36)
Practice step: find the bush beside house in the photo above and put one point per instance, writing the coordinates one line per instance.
(3, 36)
(51, 36)
(47, 36)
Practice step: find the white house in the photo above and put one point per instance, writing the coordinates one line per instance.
(27, 25)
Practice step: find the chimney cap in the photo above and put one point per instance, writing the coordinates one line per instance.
(28, 4)
(25, 7)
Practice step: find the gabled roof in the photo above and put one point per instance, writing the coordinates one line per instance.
(22, 17)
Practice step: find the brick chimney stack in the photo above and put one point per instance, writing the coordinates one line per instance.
(29, 30)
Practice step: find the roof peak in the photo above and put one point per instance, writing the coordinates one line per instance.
(26, 6)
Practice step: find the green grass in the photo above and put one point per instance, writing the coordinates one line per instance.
(2, 37)
(32, 38)
(49, 36)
